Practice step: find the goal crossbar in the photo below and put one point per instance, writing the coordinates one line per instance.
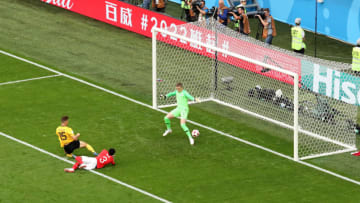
(295, 127)
(158, 30)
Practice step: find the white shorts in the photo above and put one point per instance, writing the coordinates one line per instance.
(90, 162)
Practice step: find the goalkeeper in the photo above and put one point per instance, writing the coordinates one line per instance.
(182, 110)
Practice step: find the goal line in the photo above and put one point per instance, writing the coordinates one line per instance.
(166, 70)
(192, 122)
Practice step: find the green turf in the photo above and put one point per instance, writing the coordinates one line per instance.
(217, 169)
(100, 52)
(78, 45)
(11, 71)
(30, 176)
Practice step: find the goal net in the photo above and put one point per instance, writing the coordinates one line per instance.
(220, 65)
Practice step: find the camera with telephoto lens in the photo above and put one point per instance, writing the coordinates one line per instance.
(259, 31)
(212, 12)
(195, 4)
(261, 13)
(233, 10)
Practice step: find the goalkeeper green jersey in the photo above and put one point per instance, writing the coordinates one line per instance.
(181, 98)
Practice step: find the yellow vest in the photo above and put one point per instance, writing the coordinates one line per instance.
(356, 59)
(297, 38)
(184, 5)
(237, 22)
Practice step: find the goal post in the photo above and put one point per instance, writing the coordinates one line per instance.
(227, 76)
(296, 117)
(155, 80)
(154, 69)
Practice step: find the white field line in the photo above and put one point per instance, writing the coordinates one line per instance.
(327, 154)
(92, 171)
(30, 79)
(192, 122)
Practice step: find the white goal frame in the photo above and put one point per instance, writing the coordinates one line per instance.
(295, 76)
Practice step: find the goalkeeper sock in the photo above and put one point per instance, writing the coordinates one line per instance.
(186, 130)
(167, 123)
(90, 148)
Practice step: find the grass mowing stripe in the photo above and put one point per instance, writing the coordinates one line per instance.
(95, 172)
(77, 79)
(30, 79)
(192, 122)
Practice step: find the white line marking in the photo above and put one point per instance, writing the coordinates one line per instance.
(277, 153)
(30, 79)
(92, 171)
(192, 122)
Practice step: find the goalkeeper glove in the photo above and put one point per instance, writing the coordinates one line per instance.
(162, 96)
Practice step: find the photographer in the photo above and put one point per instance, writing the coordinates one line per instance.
(200, 10)
(243, 4)
(159, 5)
(244, 26)
(223, 13)
(186, 6)
(269, 30)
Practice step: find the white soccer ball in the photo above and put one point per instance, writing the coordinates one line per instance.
(195, 133)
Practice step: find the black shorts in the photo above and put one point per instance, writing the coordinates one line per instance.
(72, 146)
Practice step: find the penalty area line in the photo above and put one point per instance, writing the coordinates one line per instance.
(30, 79)
(92, 171)
(195, 123)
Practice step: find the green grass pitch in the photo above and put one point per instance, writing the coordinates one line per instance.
(216, 169)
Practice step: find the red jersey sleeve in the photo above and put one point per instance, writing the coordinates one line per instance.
(104, 159)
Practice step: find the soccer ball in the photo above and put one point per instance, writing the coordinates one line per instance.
(195, 133)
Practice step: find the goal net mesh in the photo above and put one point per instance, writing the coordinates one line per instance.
(326, 124)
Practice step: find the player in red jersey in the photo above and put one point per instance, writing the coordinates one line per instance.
(89, 163)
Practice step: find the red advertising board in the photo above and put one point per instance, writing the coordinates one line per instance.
(119, 14)
(262, 54)
(142, 21)
(235, 45)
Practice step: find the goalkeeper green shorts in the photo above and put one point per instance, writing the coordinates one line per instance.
(180, 112)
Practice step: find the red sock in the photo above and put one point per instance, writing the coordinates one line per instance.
(76, 165)
(79, 160)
